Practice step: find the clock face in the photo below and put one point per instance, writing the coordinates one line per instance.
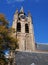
(22, 16)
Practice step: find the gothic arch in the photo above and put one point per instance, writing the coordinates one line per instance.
(26, 28)
(18, 27)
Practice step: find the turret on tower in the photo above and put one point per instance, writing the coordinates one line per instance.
(22, 10)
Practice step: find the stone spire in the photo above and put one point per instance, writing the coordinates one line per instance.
(22, 10)
(29, 14)
(16, 11)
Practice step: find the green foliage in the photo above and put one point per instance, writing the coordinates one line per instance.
(6, 41)
(3, 61)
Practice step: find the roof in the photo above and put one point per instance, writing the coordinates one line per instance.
(29, 58)
(42, 47)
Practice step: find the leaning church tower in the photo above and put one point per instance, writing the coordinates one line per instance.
(24, 31)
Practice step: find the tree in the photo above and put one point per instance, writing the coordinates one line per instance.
(6, 41)
(5, 38)
(2, 59)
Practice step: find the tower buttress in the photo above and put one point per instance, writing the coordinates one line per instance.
(31, 31)
(15, 20)
(14, 25)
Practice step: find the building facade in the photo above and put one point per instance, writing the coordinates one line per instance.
(24, 30)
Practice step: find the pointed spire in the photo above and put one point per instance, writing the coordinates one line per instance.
(29, 14)
(22, 10)
(16, 11)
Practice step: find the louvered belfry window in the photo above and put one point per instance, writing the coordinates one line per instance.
(26, 28)
(18, 27)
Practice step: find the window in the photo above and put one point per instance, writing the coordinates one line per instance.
(26, 28)
(18, 27)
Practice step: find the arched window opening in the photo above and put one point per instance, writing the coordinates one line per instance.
(18, 27)
(26, 28)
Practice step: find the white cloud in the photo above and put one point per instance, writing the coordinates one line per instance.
(10, 1)
(13, 1)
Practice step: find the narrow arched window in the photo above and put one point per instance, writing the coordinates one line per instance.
(26, 28)
(18, 27)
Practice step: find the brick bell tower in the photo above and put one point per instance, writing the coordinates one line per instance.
(24, 31)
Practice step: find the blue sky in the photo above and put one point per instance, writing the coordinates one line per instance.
(39, 12)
